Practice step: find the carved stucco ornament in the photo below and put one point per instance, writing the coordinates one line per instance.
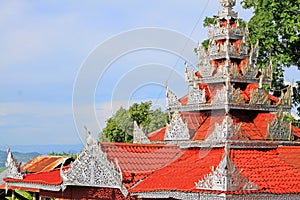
(196, 96)
(226, 177)
(226, 131)
(177, 129)
(279, 129)
(286, 98)
(13, 166)
(92, 168)
(205, 68)
(259, 96)
(171, 99)
(139, 137)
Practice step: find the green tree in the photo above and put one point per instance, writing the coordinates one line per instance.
(276, 24)
(119, 128)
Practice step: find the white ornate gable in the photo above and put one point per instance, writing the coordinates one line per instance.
(279, 129)
(172, 100)
(139, 136)
(92, 168)
(196, 96)
(177, 129)
(226, 177)
(13, 166)
(226, 131)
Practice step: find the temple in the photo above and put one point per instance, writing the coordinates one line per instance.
(227, 138)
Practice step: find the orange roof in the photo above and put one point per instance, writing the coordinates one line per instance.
(290, 154)
(141, 158)
(136, 161)
(44, 163)
(47, 178)
(262, 167)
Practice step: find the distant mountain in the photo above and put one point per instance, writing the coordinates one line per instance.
(21, 157)
(45, 149)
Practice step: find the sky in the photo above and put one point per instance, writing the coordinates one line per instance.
(69, 64)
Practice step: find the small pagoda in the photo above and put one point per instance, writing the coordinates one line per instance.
(227, 138)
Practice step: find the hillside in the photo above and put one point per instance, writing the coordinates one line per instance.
(21, 157)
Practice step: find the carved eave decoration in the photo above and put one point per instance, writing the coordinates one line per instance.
(139, 137)
(13, 166)
(286, 98)
(220, 97)
(226, 177)
(177, 129)
(172, 100)
(279, 129)
(259, 97)
(92, 168)
(226, 131)
(205, 68)
(267, 72)
(234, 95)
(190, 74)
(196, 96)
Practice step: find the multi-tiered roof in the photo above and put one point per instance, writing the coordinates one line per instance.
(228, 89)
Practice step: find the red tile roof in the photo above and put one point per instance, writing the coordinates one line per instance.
(141, 158)
(290, 154)
(47, 178)
(182, 174)
(262, 167)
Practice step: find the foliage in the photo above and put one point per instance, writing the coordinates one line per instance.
(119, 128)
(62, 154)
(276, 24)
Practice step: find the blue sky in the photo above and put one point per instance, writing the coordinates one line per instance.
(44, 44)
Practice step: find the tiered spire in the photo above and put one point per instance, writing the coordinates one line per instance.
(228, 78)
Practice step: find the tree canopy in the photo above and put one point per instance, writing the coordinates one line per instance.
(119, 128)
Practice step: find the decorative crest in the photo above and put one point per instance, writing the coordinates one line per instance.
(172, 100)
(259, 97)
(205, 67)
(189, 74)
(279, 129)
(139, 136)
(254, 54)
(196, 96)
(286, 97)
(226, 131)
(13, 166)
(226, 177)
(220, 97)
(92, 168)
(177, 129)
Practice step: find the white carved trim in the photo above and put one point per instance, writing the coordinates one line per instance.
(209, 196)
(35, 186)
(259, 96)
(279, 129)
(171, 100)
(139, 137)
(205, 68)
(196, 96)
(92, 168)
(220, 97)
(226, 131)
(226, 177)
(177, 129)
(13, 166)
